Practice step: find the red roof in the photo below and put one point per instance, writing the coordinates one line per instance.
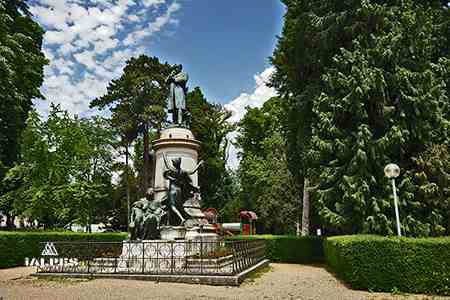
(251, 215)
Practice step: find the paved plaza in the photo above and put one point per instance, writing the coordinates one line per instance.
(281, 281)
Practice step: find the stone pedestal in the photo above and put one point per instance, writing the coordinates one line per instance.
(205, 235)
(163, 256)
(172, 233)
(152, 255)
(174, 142)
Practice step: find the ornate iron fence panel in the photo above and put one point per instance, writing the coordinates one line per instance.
(151, 257)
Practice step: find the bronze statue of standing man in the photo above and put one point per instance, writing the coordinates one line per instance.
(177, 96)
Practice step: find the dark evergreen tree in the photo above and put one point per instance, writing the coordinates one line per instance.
(366, 83)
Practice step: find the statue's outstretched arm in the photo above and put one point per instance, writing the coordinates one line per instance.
(196, 168)
(167, 163)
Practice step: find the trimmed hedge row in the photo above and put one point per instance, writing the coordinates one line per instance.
(15, 246)
(391, 264)
(291, 249)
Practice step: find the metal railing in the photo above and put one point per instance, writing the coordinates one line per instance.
(151, 257)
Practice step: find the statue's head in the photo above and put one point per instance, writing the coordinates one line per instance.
(177, 163)
(181, 77)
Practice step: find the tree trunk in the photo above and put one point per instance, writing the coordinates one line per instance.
(9, 221)
(128, 185)
(145, 173)
(305, 211)
(151, 171)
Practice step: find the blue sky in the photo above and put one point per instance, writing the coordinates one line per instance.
(223, 45)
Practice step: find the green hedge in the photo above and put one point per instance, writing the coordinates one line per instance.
(15, 246)
(291, 249)
(391, 264)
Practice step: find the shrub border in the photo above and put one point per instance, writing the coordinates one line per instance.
(391, 264)
(16, 246)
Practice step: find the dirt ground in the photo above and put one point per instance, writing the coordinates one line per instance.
(280, 281)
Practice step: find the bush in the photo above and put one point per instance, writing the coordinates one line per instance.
(291, 249)
(15, 246)
(391, 264)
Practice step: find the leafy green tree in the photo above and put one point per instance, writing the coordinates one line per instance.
(210, 125)
(230, 191)
(21, 75)
(137, 101)
(266, 182)
(96, 162)
(138, 163)
(65, 170)
(365, 83)
(25, 185)
(124, 192)
(128, 131)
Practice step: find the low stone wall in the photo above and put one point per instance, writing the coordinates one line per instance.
(212, 258)
(232, 280)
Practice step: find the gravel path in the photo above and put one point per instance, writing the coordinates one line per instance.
(282, 281)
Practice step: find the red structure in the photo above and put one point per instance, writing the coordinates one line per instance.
(211, 215)
(248, 222)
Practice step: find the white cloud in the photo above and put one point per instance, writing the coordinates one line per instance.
(261, 94)
(50, 16)
(257, 98)
(133, 18)
(67, 49)
(80, 43)
(58, 37)
(118, 58)
(77, 13)
(104, 45)
(63, 66)
(148, 3)
(83, 45)
(86, 58)
(154, 27)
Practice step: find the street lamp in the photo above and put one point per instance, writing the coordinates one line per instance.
(392, 171)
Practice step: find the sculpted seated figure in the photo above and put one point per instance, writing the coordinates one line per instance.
(146, 217)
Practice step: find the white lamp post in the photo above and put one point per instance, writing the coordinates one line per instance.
(392, 171)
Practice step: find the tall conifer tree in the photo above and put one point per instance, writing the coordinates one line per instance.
(366, 83)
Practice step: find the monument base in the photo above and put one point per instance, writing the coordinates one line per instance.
(172, 233)
(202, 234)
(164, 256)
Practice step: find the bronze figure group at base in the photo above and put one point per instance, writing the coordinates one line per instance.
(147, 214)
